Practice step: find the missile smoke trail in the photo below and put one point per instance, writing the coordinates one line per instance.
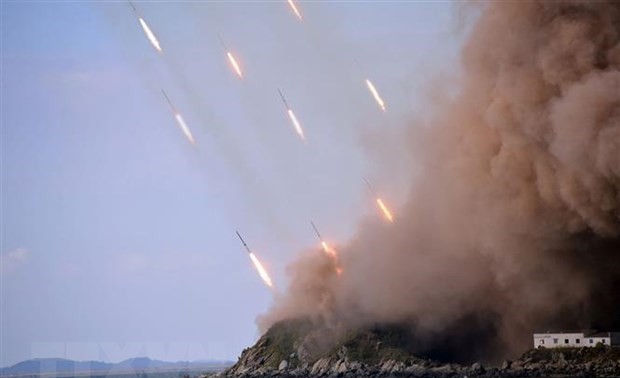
(294, 8)
(375, 94)
(513, 220)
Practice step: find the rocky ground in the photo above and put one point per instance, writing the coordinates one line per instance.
(292, 350)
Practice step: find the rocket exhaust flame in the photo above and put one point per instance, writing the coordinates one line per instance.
(296, 124)
(231, 58)
(382, 206)
(291, 115)
(294, 8)
(262, 272)
(327, 249)
(511, 222)
(184, 127)
(386, 212)
(147, 31)
(179, 118)
(375, 94)
(150, 35)
(234, 64)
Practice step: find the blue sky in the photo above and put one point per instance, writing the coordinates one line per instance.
(117, 234)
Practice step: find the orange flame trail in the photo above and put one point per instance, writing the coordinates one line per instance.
(386, 212)
(332, 254)
(261, 271)
(328, 250)
(150, 35)
(292, 4)
(375, 94)
(234, 64)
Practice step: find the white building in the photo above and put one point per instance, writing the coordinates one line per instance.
(575, 339)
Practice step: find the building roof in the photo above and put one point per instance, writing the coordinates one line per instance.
(599, 334)
(585, 332)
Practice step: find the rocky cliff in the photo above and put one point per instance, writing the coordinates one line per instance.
(296, 348)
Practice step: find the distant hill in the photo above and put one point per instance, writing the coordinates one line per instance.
(56, 366)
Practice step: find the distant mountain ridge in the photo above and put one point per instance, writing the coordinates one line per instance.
(46, 366)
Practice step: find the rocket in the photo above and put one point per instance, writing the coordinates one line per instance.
(169, 102)
(262, 272)
(316, 231)
(369, 186)
(284, 100)
(179, 118)
(327, 249)
(291, 115)
(243, 242)
(132, 6)
(233, 62)
(324, 244)
(219, 37)
(145, 27)
(382, 206)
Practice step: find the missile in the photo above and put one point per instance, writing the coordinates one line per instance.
(132, 6)
(179, 118)
(327, 249)
(298, 129)
(219, 37)
(283, 99)
(262, 272)
(168, 99)
(369, 186)
(316, 231)
(243, 242)
(231, 57)
(145, 27)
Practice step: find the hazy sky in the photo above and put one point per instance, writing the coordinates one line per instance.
(118, 236)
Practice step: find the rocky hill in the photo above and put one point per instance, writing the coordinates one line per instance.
(61, 366)
(296, 349)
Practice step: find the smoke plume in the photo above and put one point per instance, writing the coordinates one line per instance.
(513, 225)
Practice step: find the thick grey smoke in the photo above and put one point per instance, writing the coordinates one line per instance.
(513, 224)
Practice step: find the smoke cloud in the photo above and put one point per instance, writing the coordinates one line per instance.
(513, 224)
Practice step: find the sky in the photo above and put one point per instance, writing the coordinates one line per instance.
(117, 235)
